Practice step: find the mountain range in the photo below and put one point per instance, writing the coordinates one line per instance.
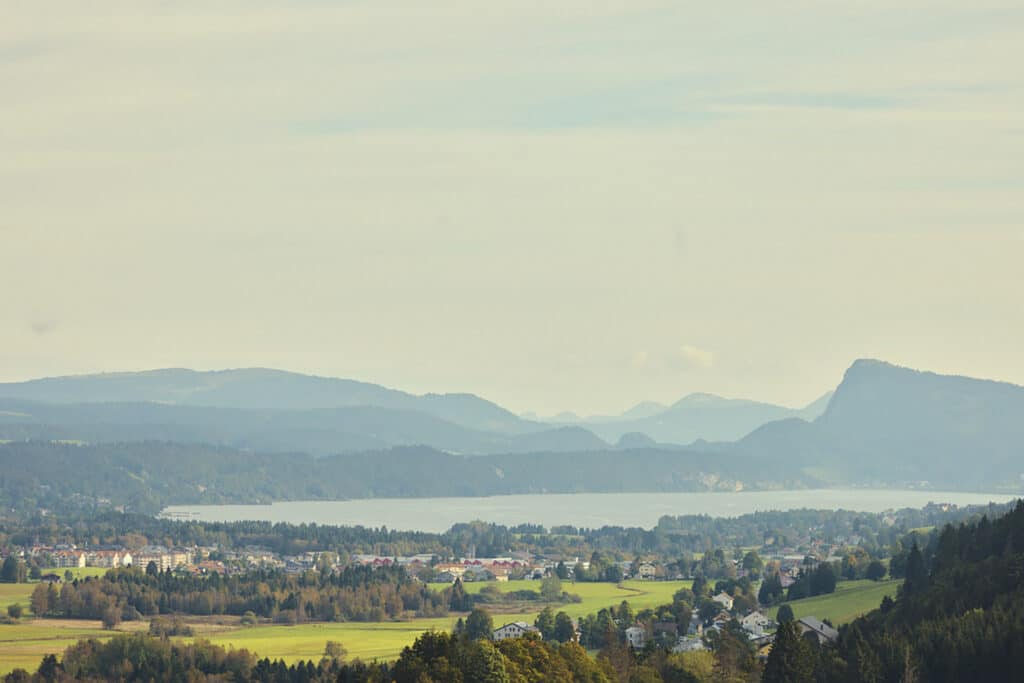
(883, 424)
(272, 410)
(697, 416)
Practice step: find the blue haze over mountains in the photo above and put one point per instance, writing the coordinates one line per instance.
(884, 425)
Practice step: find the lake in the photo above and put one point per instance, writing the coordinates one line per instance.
(578, 509)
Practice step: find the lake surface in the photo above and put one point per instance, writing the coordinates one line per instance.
(578, 509)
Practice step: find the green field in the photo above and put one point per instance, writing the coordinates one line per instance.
(851, 599)
(11, 593)
(23, 645)
(79, 572)
(385, 640)
(639, 594)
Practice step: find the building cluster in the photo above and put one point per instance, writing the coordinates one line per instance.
(66, 556)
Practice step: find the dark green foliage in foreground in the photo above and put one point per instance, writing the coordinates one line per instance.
(144, 658)
(962, 620)
(434, 657)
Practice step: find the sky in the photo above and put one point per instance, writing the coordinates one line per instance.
(559, 206)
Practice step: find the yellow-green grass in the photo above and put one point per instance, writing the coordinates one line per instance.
(78, 572)
(384, 641)
(367, 641)
(851, 600)
(23, 645)
(639, 594)
(11, 593)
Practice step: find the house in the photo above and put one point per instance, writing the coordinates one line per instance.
(516, 629)
(646, 571)
(755, 623)
(636, 637)
(447, 576)
(721, 619)
(814, 629)
(108, 558)
(689, 644)
(723, 599)
(63, 559)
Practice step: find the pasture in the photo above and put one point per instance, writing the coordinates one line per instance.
(385, 640)
(11, 593)
(24, 645)
(851, 600)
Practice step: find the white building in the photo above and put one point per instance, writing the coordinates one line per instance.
(516, 629)
(723, 599)
(689, 644)
(636, 637)
(755, 623)
(646, 571)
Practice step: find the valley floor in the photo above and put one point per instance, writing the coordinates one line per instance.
(26, 643)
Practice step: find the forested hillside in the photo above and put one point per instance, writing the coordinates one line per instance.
(959, 616)
(147, 476)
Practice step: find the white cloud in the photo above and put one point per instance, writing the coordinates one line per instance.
(696, 357)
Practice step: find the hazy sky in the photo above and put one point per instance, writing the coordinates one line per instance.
(558, 205)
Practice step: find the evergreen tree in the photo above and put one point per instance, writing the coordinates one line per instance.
(479, 624)
(917, 575)
(791, 659)
(545, 622)
(785, 614)
(565, 630)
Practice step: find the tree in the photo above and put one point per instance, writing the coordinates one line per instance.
(13, 570)
(111, 618)
(545, 622)
(334, 650)
(40, 600)
(479, 624)
(152, 569)
(551, 589)
(459, 601)
(790, 659)
(485, 664)
(15, 610)
(565, 630)
(917, 575)
(771, 590)
(734, 660)
(561, 571)
(35, 573)
(785, 614)
(823, 579)
(875, 571)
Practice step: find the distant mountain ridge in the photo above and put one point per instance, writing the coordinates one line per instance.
(321, 432)
(884, 425)
(262, 389)
(892, 424)
(696, 416)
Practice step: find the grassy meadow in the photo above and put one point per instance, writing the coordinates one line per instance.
(24, 645)
(851, 599)
(11, 593)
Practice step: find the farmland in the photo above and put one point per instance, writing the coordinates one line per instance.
(26, 643)
(385, 640)
(851, 599)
